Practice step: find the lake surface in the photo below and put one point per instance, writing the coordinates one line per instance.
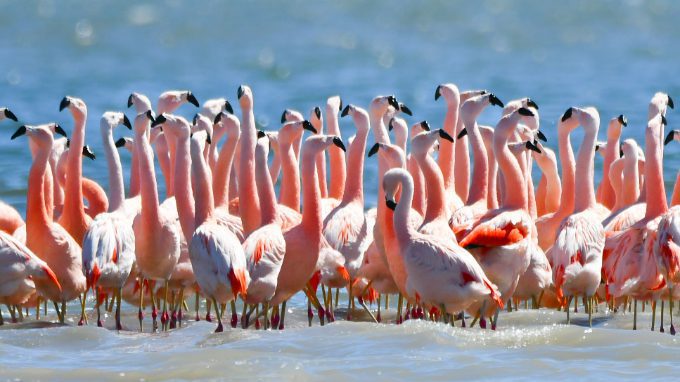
(610, 54)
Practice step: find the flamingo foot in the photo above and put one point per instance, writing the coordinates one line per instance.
(81, 322)
(173, 320)
(672, 331)
(234, 320)
(407, 315)
(197, 318)
(321, 313)
(208, 317)
(662, 330)
(482, 323)
(329, 316)
(257, 323)
(154, 313)
(164, 318)
(99, 323)
(220, 328)
(378, 317)
(420, 313)
(462, 323)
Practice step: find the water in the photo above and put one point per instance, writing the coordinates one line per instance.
(611, 54)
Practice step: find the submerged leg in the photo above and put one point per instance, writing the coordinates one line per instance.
(220, 328)
(140, 314)
(234, 316)
(119, 294)
(283, 315)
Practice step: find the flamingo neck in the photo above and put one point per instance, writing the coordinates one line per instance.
(337, 184)
(419, 201)
(265, 191)
(311, 213)
(249, 204)
(515, 197)
(568, 164)
(290, 181)
(654, 182)
(631, 185)
(186, 208)
(73, 190)
(134, 174)
(447, 153)
(479, 190)
(203, 193)
(402, 229)
(222, 174)
(116, 187)
(36, 208)
(354, 187)
(147, 179)
(675, 199)
(584, 183)
(434, 187)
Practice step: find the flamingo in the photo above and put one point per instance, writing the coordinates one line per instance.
(336, 157)
(109, 242)
(674, 135)
(249, 205)
(502, 237)
(304, 241)
(577, 252)
(467, 216)
(435, 221)
(10, 219)
(22, 273)
(157, 237)
(439, 271)
(605, 192)
(216, 254)
(345, 227)
(628, 209)
(549, 191)
(47, 239)
(494, 192)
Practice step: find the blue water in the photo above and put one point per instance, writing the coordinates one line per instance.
(611, 54)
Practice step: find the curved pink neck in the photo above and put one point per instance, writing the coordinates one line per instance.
(402, 229)
(568, 167)
(36, 210)
(134, 174)
(354, 187)
(631, 185)
(147, 180)
(479, 190)
(675, 199)
(222, 174)
(654, 182)
(434, 186)
(265, 189)
(186, 208)
(584, 183)
(290, 180)
(447, 153)
(73, 190)
(607, 191)
(512, 175)
(249, 204)
(419, 201)
(203, 193)
(116, 187)
(336, 157)
(311, 213)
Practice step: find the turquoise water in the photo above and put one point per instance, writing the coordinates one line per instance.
(610, 54)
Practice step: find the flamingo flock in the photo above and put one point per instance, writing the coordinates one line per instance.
(453, 239)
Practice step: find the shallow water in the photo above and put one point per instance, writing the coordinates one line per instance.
(611, 54)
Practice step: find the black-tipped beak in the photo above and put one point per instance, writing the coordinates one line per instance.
(541, 136)
(120, 142)
(239, 92)
(566, 115)
(495, 100)
(345, 111)
(525, 112)
(87, 151)
(20, 131)
(532, 147)
(130, 101)
(317, 112)
(126, 122)
(208, 138)
(392, 100)
(149, 114)
(664, 122)
(391, 204)
(261, 134)
(670, 103)
(10, 115)
(217, 119)
(374, 150)
(340, 107)
(425, 126)
(390, 125)
(308, 126)
(65, 102)
(158, 121)
(192, 99)
(462, 133)
(193, 121)
(669, 137)
(623, 120)
(620, 153)
(68, 143)
(532, 103)
(283, 116)
(338, 142)
(597, 147)
(60, 131)
(228, 108)
(444, 135)
(404, 109)
(437, 93)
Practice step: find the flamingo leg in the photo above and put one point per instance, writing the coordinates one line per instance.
(37, 308)
(400, 302)
(21, 313)
(378, 316)
(220, 328)
(265, 309)
(2, 320)
(181, 305)
(164, 316)
(196, 306)
(99, 316)
(349, 301)
(119, 294)
(283, 315)
(670, 309)
(82, 308)
(635, 314)
(234, 316)
(590, 311)
(337, 296)
(661, 329)
(63, 311)
(208, 306)
(568, 305)
(363, 304)
(653, 314)
(310, 314)
(140, 313)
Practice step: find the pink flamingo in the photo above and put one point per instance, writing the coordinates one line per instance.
(22, 273)
(674, 135)
(73, 217)
(305, 240)
(345, 226)
(216, 253)
(249, 205)
(463, 219)
(493, 193)
(47, 239)
(577, 252)
(605, 192)
(447, 155)
(157, 237)
(109, 243)
(265, 247)
(336, 157)
(503, 236)
(549, 191)
(440, 272)
(10, 219)
(628, 209)
(435, 221)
